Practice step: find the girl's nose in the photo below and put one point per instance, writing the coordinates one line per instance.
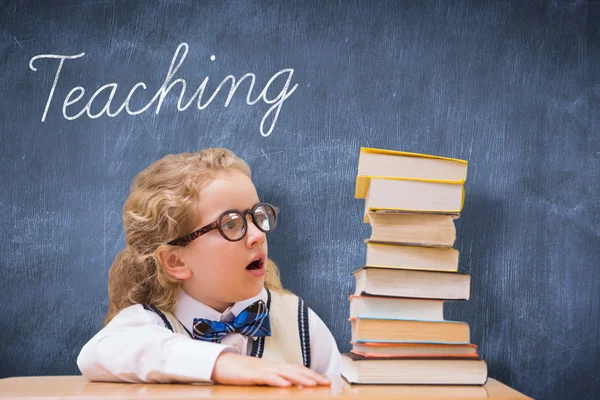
(253, 234)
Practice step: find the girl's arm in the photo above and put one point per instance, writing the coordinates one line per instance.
(324, 354)
(136, 347)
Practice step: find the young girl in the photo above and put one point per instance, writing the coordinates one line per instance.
(193, 296)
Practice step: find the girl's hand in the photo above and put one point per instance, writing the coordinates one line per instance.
(234, 369)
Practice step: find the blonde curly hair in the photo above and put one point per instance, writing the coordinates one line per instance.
(158, 210)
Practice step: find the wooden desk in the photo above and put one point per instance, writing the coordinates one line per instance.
(77, 387)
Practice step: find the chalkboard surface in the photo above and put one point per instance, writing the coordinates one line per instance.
(511, 86)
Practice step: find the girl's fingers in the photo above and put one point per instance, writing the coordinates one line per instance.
(302, 375)
(285, 375)
(298, 378)
(320, 379)
(277, 381)
(312, 375)
(308, 374)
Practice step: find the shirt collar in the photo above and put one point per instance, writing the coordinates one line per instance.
(189, 308)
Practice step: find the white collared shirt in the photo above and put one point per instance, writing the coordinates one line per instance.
(135, 346)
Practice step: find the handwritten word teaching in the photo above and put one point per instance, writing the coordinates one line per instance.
(77, 93)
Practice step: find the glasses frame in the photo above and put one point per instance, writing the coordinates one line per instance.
(187, 239)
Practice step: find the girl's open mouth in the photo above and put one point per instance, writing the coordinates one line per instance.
(257, 267)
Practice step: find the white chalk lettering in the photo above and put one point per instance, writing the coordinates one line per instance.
(69, 102)
(60, 64)
(78, 92)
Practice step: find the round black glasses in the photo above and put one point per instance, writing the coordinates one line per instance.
(232, 224)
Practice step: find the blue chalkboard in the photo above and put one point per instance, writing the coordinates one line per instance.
(511, 86)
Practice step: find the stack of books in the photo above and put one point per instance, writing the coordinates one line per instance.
(399, 335)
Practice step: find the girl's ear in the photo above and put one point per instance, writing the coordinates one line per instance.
(173, 263)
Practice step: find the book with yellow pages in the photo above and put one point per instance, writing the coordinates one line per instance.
(396, 256)
(396, 307)
(440, 285)
(421, 229)
(413, 371)
(404, 194)
(408, 350)
(408, 331)
(391, 163)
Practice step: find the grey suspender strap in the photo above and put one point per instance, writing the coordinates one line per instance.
(304, 332)
(162, 316)
(258, 347)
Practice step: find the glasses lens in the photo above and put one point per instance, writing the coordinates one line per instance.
(265, 217)
(233, 226)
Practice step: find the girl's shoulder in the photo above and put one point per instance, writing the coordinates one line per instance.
(288, 304)
(282, 294)
(135, 315)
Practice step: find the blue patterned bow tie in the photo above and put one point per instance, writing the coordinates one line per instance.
(253, 321)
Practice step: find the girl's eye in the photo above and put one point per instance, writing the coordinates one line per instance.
(263, 221)
(229, 225)
(233, 222)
